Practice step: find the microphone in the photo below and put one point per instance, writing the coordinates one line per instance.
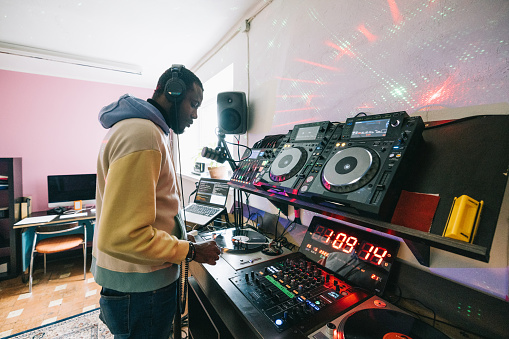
(213, 154)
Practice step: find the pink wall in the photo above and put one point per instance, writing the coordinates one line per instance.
(51, 123)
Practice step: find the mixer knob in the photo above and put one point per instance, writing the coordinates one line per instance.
(252, 274)
(285, 315)
(247, 277)
(301, 288)
(337, 288)
(403, 138)
(257, 281)
(327, 277)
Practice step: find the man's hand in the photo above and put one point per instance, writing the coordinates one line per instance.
(207, 252)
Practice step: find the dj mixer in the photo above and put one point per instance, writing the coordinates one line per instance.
(294, 291)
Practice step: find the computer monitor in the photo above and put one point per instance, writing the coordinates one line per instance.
(64, 190)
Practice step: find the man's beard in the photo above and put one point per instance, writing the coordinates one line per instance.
(173, 119)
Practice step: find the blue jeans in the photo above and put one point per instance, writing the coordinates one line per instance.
(145, 315)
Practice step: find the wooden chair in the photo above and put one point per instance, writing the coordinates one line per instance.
(58, 243)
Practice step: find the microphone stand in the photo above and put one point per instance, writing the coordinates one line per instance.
(237, 194)
(221, 145)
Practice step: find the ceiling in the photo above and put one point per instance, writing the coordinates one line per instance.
(152, 34)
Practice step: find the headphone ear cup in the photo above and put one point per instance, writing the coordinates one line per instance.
(175, 89)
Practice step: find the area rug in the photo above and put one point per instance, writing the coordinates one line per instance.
(82, 326)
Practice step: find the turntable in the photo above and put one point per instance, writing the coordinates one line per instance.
(363, 170)
(297, 157)
(376, 318)
(239, 240)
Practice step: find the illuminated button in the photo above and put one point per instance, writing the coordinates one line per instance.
(279, 322)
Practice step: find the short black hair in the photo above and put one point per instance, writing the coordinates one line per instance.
(186, 75)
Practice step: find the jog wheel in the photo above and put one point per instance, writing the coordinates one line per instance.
(288, 163)
(350, 169)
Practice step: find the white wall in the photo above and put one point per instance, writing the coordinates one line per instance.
(305, 61)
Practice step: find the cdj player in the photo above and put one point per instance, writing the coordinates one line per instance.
(363, 168)
(296, 158)
(357, 167)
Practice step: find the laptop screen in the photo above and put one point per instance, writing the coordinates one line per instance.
(212, 191)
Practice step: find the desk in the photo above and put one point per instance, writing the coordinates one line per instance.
(27, 237)
(58, 220)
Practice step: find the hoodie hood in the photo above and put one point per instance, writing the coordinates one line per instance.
(128, 107)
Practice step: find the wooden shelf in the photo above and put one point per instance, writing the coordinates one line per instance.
(10, 241)
(466, 156)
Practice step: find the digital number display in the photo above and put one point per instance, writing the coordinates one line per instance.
(347, 244)
(370, 129)
(361, 257)
(254, 154)
(307, 133)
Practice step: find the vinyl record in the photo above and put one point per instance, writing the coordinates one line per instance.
(350, 169)
(288, 163)
(239, 240)
(386, 324)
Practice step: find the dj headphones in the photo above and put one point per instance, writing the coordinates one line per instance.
(175, 88)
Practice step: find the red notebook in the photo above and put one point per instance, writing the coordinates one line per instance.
(415, 210)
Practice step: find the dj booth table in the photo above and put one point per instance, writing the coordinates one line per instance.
(217, 309)
(249, 294)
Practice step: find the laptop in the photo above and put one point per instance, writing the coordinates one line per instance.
(209, 201)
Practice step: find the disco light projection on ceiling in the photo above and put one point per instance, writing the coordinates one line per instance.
(370, 36)
(389, 56)
(341, 50)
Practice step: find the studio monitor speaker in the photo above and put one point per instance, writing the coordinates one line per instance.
(232, 112)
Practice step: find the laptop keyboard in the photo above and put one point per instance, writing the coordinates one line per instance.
(203, 210)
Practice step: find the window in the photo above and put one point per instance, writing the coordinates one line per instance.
(203, 131)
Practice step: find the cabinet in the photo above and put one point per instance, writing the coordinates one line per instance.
(11, 193)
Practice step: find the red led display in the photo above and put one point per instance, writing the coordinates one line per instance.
(341, 241)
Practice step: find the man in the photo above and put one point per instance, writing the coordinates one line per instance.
(138, 235)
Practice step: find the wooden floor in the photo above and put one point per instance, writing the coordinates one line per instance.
(59, 294)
